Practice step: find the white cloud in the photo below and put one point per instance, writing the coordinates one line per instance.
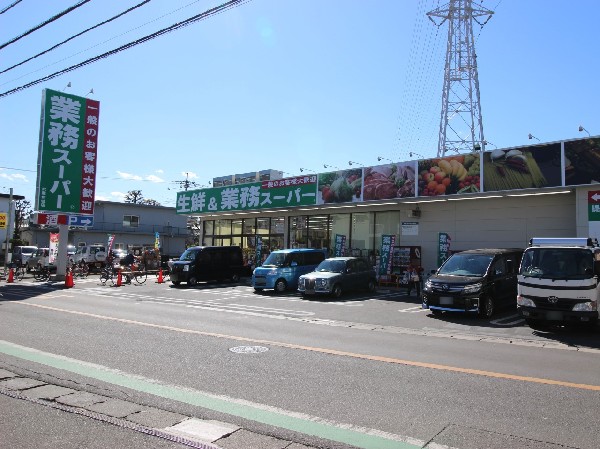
(118, 196)
(129, 176)
(102, 198)
(14, 177)
(160, 171)
(154, 178)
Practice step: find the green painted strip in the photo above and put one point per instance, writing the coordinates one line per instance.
(193, 397)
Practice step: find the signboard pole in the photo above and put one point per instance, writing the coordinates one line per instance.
(61, 259)
(8, 227)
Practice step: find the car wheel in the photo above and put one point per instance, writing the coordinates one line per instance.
(192, 281)
(486, 307)
(337, 291)
(372, 286)
(280, 285)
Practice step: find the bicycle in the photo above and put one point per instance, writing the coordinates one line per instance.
(41, 273)
(79, 270)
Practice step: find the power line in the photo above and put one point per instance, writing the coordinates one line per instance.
(77, 35)
(213, 11)
(10, 6)
(43, 24)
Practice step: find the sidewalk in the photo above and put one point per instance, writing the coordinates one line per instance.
(75, 419)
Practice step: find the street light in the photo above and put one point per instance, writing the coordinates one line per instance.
(330, 166)
(531, 136)
(306, 169)
(412, 153)
(379, 158)
(354, 163)
(581, 128)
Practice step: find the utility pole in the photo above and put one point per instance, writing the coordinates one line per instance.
(461, 126)
(186, 184)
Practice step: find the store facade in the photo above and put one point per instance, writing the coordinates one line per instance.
(488, 199)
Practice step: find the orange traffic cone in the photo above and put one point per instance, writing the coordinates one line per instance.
(11, 276)
(69, 280)
(119, 278)
(160, 276)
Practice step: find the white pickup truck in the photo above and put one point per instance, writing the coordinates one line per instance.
(558, 282)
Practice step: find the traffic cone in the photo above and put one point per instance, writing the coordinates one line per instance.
(11, 276)
(69, 280)
(160, 276)
(119, 278)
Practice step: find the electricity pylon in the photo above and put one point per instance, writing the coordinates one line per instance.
(461, 126)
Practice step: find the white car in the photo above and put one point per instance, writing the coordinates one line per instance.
(39, 259)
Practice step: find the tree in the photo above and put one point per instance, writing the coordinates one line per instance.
(22, 213)
(150, 202)
(134, 196)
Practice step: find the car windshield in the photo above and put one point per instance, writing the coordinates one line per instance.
(558, 263)
(466, 265)
(333, 266)
(28, 250)
(189, 254)
(275, 260)
(96, 249)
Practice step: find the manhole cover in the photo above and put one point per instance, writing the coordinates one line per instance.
(248, 349)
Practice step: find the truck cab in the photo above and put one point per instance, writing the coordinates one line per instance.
(558, 281)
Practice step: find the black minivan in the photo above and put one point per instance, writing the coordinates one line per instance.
(478, 281)
(208, 263)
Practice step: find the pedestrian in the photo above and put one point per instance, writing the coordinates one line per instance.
(414, 280)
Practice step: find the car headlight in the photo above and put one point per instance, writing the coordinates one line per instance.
(473, 288)
(585, 307)
(186, 268)
(525, 302)
(322, 283)
(428, 285)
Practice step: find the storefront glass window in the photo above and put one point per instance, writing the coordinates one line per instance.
(209, 227)
(277, 225)
(236, 227)
(262, 226)
(249, 226)
(339, 224)
(362, 234)
(318, 236)
(387, 223)
(298, 232)
(222, 227)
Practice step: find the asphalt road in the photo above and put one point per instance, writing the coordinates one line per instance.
(367, 370)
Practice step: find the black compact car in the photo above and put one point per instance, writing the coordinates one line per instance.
(477, 281)
(208, 263)
(336, 275)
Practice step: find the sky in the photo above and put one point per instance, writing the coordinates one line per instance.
(286, 84)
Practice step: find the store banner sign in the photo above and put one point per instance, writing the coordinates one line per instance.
(340, 244)
(53, 249)
(289, 192)
(3, 220)
(157, 241)
(67, 153)
(443, 247)
(258, 251)
(594, 205)
(387, 247)
(110, 242)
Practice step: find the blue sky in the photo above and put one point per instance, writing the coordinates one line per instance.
(284, 84)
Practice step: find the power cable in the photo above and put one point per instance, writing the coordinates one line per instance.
(10, 6)
(43, 24)
(213, 11)
(77, 35)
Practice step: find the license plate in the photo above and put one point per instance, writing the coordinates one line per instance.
(554, 316)
(446, 300)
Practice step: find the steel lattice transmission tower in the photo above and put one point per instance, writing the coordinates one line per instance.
(461, 127)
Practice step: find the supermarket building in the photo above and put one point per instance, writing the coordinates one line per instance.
(437, 206)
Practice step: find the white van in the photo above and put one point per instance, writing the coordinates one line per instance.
(93, 255)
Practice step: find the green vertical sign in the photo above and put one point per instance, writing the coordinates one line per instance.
(594, 205)
(385, 260)
(67, 153)
(443, 247)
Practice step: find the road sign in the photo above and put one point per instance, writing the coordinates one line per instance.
(80, 221)
(594, 205)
